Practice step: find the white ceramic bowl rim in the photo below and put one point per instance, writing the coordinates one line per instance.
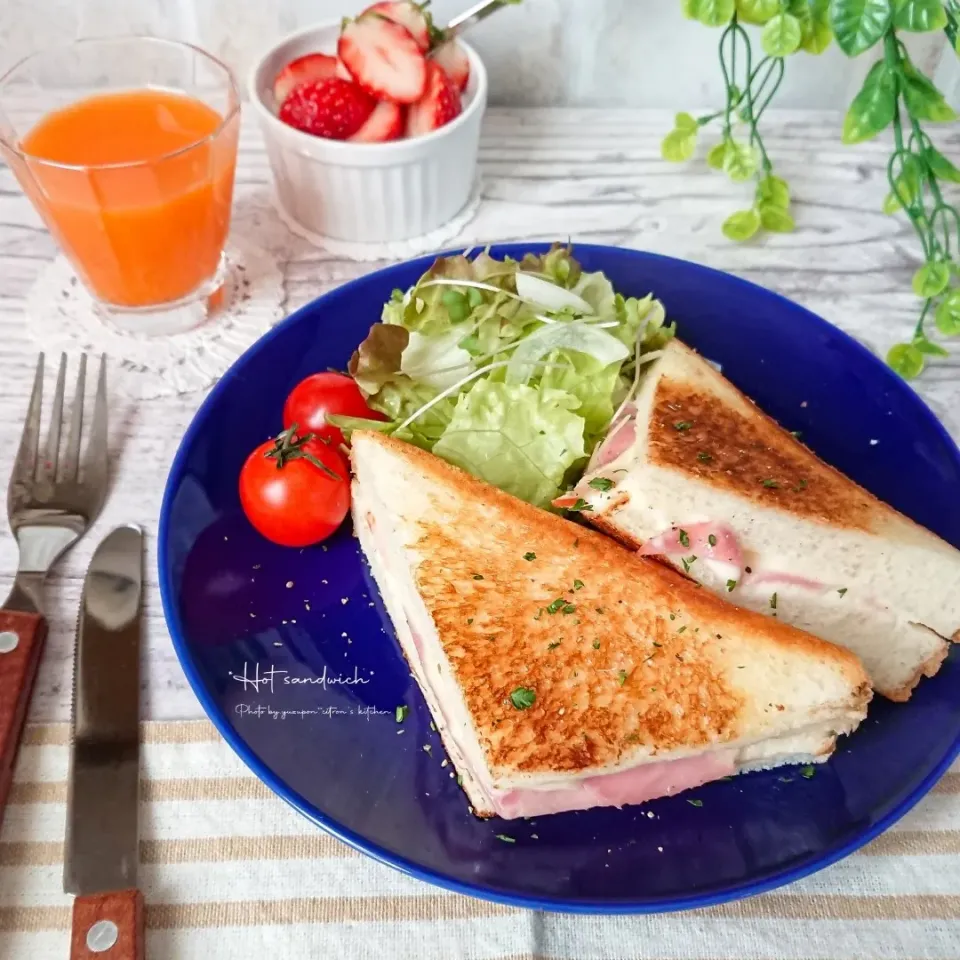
(254, 86)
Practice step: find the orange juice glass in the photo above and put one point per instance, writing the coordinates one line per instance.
(127, 148)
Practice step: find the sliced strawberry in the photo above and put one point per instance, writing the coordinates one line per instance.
(387, 122)
(407, 15)
(313, 66)
(438, 106)
(384, 59)
(455, 63)
(331, 108)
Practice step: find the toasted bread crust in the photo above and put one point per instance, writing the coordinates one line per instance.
(928, 668)
(735, 446)
(641, 661)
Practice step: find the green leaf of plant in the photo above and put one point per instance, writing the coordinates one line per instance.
(715, 13)
(773, 191)
(859, 24)
(678, 145)
(741, 225)
(776, 219)
(685, 123)
(716, 155)
(947, 317)
(923, 99)
(931, 280)
(689, 8)
(739, 161)
(941, 166)
(907, 186)
(757, 11)
(929, 348)
(873, 107)
(813, 15)
(781, 36)
(919, 15)
(906, 360)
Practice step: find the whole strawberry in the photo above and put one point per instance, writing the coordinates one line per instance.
(331, 107)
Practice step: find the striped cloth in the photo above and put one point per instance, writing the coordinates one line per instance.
(230, 871)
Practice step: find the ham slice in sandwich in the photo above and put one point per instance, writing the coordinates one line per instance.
(694, 473)
(565, 672)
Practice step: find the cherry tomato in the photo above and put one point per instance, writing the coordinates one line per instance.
(295, 490)
(319, 394)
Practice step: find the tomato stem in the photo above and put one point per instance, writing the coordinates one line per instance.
(288, 446)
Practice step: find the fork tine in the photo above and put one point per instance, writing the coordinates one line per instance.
(95, 461)
(25, 466)
(56, 416)
(71, 456)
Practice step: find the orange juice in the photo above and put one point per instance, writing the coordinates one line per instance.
(136, 186)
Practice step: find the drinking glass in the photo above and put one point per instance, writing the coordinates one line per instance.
(127, 148)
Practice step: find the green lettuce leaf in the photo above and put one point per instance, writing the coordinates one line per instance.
(520, 439)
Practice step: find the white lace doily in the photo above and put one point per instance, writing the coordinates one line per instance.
(391, 249)
(61, 316)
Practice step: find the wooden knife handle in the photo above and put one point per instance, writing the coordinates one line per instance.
(21, 642)
(108, 926)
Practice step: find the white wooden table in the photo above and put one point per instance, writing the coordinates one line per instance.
(591, 175)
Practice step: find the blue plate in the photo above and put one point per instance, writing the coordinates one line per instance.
(293, 657)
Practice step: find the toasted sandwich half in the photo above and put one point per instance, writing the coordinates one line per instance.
(565, 672)
(694, 473)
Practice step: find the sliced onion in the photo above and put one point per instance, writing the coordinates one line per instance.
(548, 295)
(602, 346)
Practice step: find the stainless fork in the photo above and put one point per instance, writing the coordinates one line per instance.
(51, 501)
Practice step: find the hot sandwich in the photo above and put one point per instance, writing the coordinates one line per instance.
(565, 672)
(693, 472)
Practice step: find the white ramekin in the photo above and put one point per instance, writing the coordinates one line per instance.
(367, 192)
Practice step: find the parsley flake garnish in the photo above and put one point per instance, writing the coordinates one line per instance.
(802, 485)
(554, 645)
(770, 484)
(797, 434)
(687, 563)
(621, 677)
(580, 506)
(657, 644)
(523, 698)
(459, 780)
(530, 556)
(704, 457)
(577, 584)
(773, 601)
(478, 576)
(681, 629)
(596, 644)
(682, 425)
(538, 614)
(712, 540)
(600, 483)
(469, 621)
(568, 608)
(684, 538)
(695, 803)
(807, 772)
(556, 605)
(505, 838)
(842, 591)
(731, 585)
(401, 712)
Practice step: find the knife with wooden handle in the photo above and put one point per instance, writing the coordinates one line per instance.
(103, 798)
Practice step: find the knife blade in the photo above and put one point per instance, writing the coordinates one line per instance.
(103, 791)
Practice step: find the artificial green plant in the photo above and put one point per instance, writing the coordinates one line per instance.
(895, 94)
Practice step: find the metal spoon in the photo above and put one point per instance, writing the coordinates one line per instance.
(479, 11)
